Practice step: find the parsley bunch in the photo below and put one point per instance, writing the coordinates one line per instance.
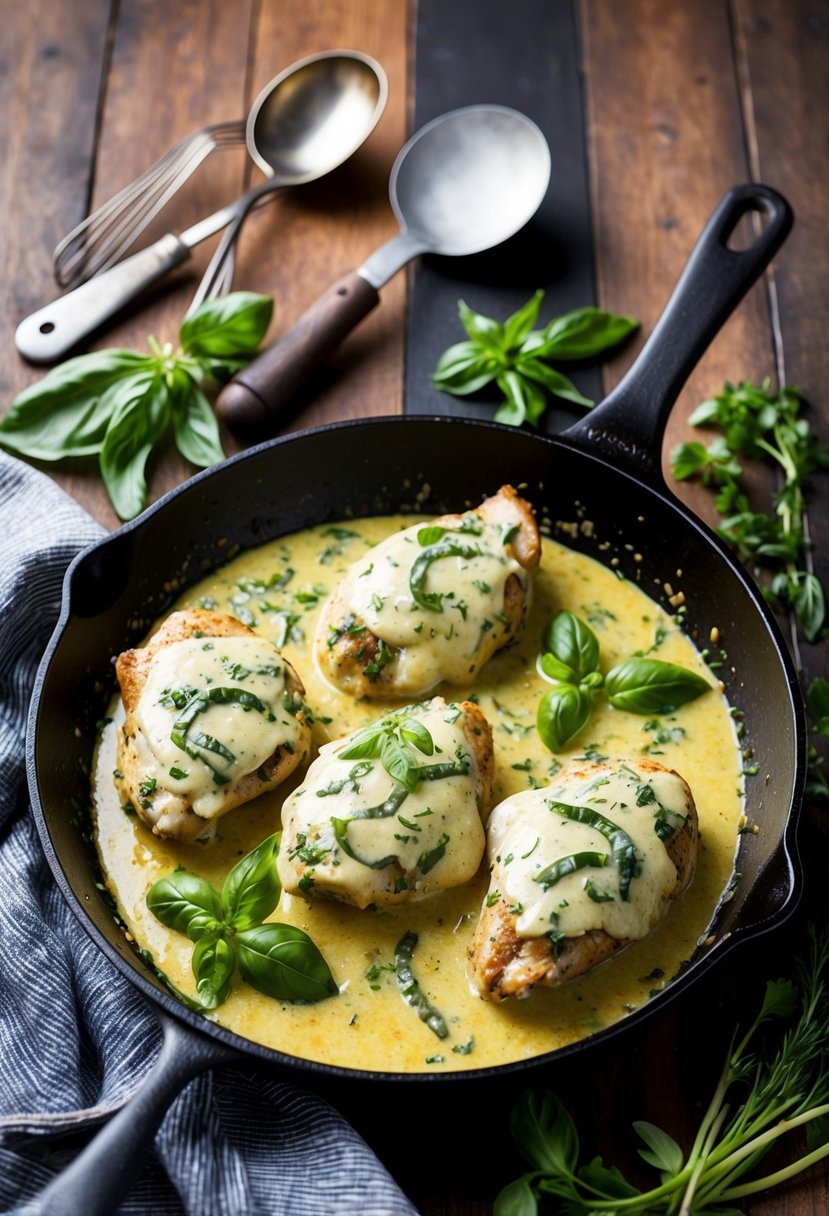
(760, 424)
(119, 404)
(770, 1085)
(517, 356)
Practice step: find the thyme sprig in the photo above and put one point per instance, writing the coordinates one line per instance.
(771, 1085)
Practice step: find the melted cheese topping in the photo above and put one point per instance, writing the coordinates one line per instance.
(434, 598)
(240, 723)
(279, 590)
(393, 844)
(529, 837)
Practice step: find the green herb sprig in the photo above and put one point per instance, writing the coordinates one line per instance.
(770, 1086)
(228, 930)
(639, 685)
(518, 357)
(762, 425)
(118, 405)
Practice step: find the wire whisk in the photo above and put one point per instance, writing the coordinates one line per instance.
(104, 237)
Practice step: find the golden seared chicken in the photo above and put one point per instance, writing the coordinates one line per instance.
(394, 811)
(214, 717)
(432, 602)
(580, 869)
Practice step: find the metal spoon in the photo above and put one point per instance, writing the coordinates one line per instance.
(308, 120)
(466, 181)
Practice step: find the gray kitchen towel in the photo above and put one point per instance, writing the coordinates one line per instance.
(76, 1038)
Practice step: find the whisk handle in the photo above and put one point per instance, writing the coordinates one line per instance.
(48, 334)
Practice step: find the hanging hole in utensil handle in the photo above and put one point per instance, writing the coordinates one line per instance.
(629, 424)
(250, 405)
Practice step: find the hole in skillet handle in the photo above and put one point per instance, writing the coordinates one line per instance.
(629, 424)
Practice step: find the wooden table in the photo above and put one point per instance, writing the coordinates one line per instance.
(652, 109)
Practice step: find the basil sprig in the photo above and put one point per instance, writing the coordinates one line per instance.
(119, 405)
(398, 740)
(278, 960)
(639, 685)
(517, 356)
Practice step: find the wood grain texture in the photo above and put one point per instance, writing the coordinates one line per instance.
(173, 69)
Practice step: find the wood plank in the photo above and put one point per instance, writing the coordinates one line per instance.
(176, 69)
(666, 141)
(475, 51)
(54, 53)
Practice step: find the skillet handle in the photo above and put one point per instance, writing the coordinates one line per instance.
(629, 424)
(100, 1176)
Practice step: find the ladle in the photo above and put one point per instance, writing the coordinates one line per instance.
(306, 122)
(464, 182)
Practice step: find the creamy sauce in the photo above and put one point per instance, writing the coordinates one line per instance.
(528, 834)
(279, 590)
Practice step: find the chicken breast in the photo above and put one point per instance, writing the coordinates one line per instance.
(432, 602)
(393, 812)
(214, 717)
(580, 869)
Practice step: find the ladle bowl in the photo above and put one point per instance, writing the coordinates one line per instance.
(308, 119)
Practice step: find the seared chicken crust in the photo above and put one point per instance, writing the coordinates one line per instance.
(371, 662)
(503, 963)
(171, 814)
(440, 820)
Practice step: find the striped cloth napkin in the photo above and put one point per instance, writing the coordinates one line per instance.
(76, 1038)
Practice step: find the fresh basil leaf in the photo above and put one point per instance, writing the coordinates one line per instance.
(544, 1133)
(483, 331)
(464, 368)
(809, 605)
(572, 641)
(251, 890)
(516, 1199)
(186, 903)
(417, 734)
(562, 713)
(141, 416)
(398, 762)
(817, 699)
(651, 686)
(66, 413)
(608, 1180)
(230, 325)
(517, 328)
(284, 963)
(662, 1152)
(582, 333)
(525, 403)
(195, 427)
(555, 382)
(214, 962)
(555, 669)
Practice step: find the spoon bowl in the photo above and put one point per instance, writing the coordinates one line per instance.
(305, 122)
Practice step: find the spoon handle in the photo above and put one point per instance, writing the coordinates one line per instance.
(250, 404)
(46, 335)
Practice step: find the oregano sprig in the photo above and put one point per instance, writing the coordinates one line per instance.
(119, 405)
(639, 685)
(229, 930)
(519, 357)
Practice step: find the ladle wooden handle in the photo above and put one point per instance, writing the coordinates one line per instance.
(253, 400)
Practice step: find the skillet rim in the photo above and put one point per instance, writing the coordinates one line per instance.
(785, 856)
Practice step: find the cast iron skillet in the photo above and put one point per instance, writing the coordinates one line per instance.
(605, 469)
